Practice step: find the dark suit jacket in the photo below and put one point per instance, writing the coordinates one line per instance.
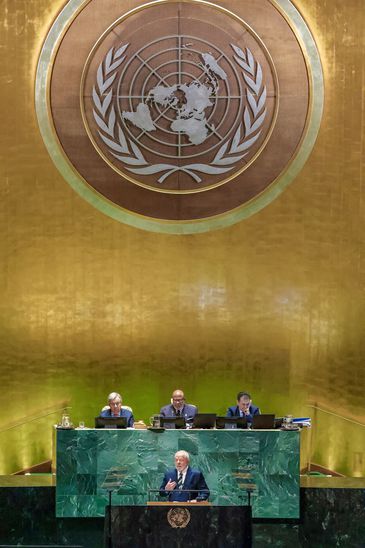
(234, 411)
(123, 413)
(188, 411)
(194, 479)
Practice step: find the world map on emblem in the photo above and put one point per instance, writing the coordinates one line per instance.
(179, 116)
(189, 101)
(181, 108)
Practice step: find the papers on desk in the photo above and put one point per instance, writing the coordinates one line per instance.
(302, 421)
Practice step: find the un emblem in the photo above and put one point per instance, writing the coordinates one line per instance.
(178, 518)
(179, 116)
(179, 112)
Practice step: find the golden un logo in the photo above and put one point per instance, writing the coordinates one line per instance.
(178, 518)
(179, 116)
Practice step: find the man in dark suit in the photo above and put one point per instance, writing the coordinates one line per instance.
(244, 407)
(183, 483)
(114, 409)
(178, 407)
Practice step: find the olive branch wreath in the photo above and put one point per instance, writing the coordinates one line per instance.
(128, 152)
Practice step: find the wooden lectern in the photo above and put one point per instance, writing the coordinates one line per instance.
(159, 503)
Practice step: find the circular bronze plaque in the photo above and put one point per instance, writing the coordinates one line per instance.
(178, 518)
(179, 116)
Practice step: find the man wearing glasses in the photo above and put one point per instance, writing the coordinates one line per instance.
(178, 407)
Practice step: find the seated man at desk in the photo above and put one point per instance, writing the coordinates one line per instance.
(244, 407)
(182, 483)
(178, 407)
(115, 409)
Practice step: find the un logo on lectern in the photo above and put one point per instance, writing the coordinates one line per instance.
(178, 518)
(179, 116)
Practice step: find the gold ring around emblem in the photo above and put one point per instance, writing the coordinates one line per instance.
(143, 218)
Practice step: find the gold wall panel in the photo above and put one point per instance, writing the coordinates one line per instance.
(274, 305)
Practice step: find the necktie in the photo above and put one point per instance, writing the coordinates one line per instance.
(180, 481)
(178, 413)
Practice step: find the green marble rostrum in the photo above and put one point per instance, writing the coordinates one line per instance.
(132, 464)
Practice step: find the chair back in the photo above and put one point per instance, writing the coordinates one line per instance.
(106, 407)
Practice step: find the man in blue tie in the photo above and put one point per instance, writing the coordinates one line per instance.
(244, 407)
(183, 484)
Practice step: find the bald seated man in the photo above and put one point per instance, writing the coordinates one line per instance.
(178, 407)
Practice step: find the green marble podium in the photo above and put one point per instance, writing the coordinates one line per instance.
(132, 464)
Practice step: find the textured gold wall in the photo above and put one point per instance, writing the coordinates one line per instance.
(274, 305)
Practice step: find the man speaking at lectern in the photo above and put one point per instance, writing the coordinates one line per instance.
(183, 484)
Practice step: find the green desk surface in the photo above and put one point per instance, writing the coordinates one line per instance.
(132, 463)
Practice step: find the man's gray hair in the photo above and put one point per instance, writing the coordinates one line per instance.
(183, 454)
(113, 395)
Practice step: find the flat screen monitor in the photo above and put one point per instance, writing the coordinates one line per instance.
(173, 422)
(231, 422)
(110, 422)
(263, 422)
(204, 420)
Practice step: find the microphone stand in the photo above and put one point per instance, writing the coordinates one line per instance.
(190, 491)
(249, 491)
(110, 519)
(113, 480)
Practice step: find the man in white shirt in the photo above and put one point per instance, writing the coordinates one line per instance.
(183, 483)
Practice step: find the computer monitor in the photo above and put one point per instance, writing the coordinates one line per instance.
(110, 422)
(173, 422)
(204, 420)
(231, 422)
(263, 422)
